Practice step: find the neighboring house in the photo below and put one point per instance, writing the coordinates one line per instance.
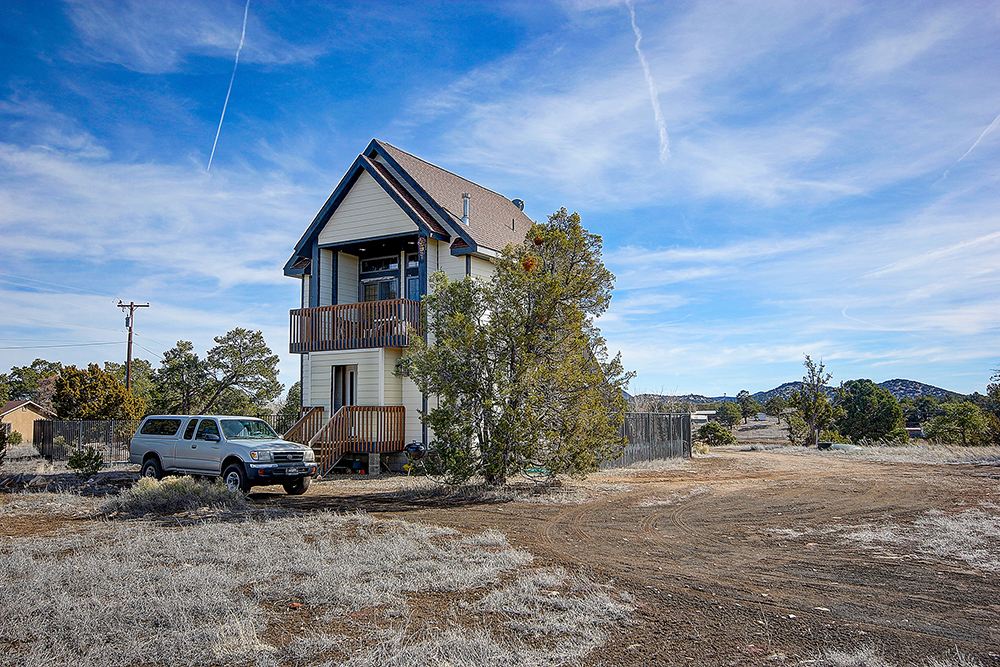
(21, 416)
(364, 263)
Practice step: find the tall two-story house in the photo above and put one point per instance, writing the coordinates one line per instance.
(364, 262)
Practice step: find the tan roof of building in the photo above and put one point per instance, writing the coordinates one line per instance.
(494, 220)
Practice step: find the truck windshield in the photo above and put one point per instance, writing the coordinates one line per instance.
(247, 429)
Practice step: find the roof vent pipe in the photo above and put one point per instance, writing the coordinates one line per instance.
(465, 207)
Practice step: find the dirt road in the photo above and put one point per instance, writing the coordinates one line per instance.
(760, 557)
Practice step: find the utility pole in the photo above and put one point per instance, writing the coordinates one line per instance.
(129, 321)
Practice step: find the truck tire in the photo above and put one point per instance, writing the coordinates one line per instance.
(298, 487)
(151, 468)
(235, 478)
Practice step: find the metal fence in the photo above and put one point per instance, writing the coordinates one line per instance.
(279, 422)
(652, 436)
(59, 439)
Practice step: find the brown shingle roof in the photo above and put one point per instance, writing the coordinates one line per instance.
(421, 212)
(494, 220)
(10, 406)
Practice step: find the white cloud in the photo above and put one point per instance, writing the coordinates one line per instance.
(155, 36)
(889, 52)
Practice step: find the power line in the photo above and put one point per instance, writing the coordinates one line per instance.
(34, 280)
(59, 324)
(39, 347)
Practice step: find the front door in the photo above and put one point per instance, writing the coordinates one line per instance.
(345, 386)
(206, 449)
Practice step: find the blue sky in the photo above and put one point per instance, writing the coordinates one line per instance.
(771, 179)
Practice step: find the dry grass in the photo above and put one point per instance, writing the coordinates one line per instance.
(970, 535)
(869, 656)
(112, 593)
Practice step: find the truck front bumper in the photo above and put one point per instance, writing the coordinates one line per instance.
(269, 471)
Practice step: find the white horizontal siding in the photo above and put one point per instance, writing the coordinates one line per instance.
(347, 278)
(367, 211)
(482, 268)
(413, 400)
(325, 278)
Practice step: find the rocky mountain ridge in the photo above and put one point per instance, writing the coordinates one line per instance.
(898, 387)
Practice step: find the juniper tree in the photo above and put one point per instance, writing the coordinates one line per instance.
(521, 375)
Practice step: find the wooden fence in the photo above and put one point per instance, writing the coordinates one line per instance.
(652, 436)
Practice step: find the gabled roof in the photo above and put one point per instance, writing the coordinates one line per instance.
(494, 220)
(431, 197)
(11, 406)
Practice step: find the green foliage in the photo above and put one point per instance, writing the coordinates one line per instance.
(242, 361)
(749, 407)
(798, 432)
(3, 443)
(867, 412)
(728, 414)
(142, 377)
(86, 463)
(14, 438)
(522, 374)
(94, 394)
(812, 400)
(180, 384)
(715, 434)
(239, 376)
(33, 382)
(292, 406)
(960, 423)
(775, 405)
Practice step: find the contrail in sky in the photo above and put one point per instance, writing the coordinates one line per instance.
(664, 139)
(991, 126)
(226, 103)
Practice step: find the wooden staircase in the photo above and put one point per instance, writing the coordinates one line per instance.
(358, 429)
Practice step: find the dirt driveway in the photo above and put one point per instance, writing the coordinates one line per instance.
(758, 557)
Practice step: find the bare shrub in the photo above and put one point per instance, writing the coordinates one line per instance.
(171, 495)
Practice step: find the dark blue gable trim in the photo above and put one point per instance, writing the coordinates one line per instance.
(374, 148)
(303, 249)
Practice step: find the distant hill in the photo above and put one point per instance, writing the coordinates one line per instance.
(912, 389)
(899, 388)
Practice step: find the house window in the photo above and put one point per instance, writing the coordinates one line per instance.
(379, 290)
(380, 264)
(411, 261)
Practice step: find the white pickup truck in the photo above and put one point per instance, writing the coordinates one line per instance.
(244, 451)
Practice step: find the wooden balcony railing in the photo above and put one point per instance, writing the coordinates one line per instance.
(307, 426)
(354, 326)
(359, 429)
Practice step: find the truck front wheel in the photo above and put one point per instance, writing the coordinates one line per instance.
(235, 478)
(298, 487)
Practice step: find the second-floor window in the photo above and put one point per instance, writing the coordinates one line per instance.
(379, 289)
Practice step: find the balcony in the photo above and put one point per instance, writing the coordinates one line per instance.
(354, 326)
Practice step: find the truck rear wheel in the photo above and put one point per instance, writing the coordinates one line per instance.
(151, 468)
(298, 487)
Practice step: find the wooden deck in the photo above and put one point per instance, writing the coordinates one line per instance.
(354, 326)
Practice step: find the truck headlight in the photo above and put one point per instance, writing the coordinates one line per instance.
(261, 456)
(309, 456)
